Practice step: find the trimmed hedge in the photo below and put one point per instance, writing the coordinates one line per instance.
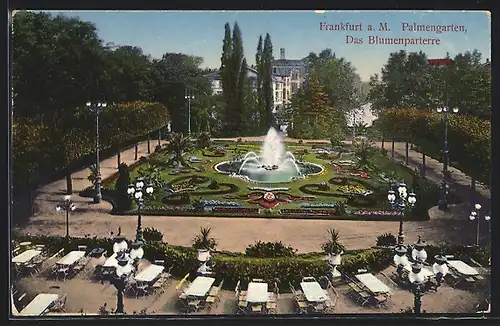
(233, 267)
(53, 148)
(469, 138)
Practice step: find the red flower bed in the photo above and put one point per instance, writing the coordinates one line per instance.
(299, 211)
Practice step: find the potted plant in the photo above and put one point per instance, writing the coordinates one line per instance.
(203, 242)
(332, 248)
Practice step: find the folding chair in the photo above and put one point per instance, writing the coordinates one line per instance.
(257, 308)
(271, 307)
(211, 301)
(59, 305)
(242, 306)
(302, 307)
(380, 300)
(193, 303)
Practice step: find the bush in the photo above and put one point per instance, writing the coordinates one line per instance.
(122, 198)
(386, 239)
(213, 185)
(204, 241)
(152, 234)
(269, 250)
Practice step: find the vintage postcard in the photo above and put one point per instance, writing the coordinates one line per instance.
(309, 163)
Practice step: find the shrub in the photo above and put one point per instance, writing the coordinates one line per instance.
(122, 198)
(213, 185)
(386, 239)
(269, 250)
(152, 234)
(203, 141)
(203, 240)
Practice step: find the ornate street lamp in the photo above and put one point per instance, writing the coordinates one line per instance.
(400, 259)
(124, 267)
(138, 190)
(97, 108)
(440, 268)
(418, 253)
(475, 215)
(67, 206)
(401, 201)
(443, 202)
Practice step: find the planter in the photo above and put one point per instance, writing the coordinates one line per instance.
(203, 255)
(334, 259)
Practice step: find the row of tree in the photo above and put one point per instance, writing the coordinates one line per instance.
(408, 80)
(60, 63)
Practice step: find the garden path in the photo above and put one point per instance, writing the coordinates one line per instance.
(236, 233)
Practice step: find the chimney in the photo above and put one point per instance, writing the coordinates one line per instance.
(282, 53)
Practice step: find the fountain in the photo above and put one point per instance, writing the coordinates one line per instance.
(272, 165)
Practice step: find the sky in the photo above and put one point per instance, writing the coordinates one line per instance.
(200, 33)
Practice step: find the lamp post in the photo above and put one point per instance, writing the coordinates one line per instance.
(475, 215)
(189, 96)
(97, 109)
(401, 201)
(138, 190)
(66, 205)
(443, 203)
(125, 258)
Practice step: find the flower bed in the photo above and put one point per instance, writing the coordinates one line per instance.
(353, 189)
(236, 210)
(365, 212)
(302, 211)
(214, 203)
(322, 205)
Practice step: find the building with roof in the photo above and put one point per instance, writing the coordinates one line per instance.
(295, 69)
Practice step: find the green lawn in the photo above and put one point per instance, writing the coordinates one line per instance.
(374, 183)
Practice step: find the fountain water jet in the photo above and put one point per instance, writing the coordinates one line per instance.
(273, 164)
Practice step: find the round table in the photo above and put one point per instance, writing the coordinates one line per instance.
(25, 244)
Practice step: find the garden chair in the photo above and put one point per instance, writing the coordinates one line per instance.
(308, 279)
(64, 272)
(258, 280)
(237, 288)
(272, 307)
(142, 290)
(380, 300)
(242, 306)
(40, 247)
(302, 306)
(257, 308)
(159, 262)
(193, 303)
(319, 308)
(211, 301)
(59, 305)
(158, 287)
(16, 251)
(82, 248)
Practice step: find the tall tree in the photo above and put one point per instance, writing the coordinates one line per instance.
(262, 114)
(225, 75)
(238, 74)
(267, 75)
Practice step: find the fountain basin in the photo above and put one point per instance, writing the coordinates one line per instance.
(257, 173)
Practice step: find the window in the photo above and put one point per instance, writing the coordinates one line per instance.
(274, 70)
(294, 87)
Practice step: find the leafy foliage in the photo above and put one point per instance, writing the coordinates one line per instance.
(269, 250)
(203, 140)
(152, 234)
(386, 239)
(204, 241)
(178, 146)
(123, 200)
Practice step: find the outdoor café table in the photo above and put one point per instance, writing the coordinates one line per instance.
(39, 304)
(71, 258)
(313, 292)
(462, 268)
(26, 256)
(200, 286)
(257, 292)
(372, 283)
(149, 273)
(426, 272)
